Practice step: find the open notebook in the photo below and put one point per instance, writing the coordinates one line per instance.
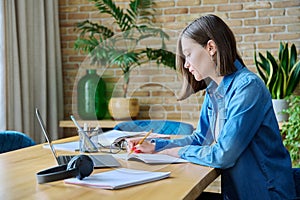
(114, 136)
(99, 161)
(151, 158)
(119, 178)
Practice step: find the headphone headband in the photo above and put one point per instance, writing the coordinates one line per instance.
(56, 173)
(79, 166)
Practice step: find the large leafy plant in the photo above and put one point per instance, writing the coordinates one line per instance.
(120, 43)
(281, 76)
(291, 129)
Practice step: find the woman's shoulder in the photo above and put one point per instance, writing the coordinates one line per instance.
(246, 81)
(245, 76)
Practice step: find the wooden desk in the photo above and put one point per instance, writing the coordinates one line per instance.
(18, 179)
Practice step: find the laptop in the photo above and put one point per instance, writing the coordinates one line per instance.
(100, 161)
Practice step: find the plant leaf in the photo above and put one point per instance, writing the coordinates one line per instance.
(281, 77)
(260, 69)
(276, 90)
(284, 60)
(273, 69)
(293, 79)
(293, 56)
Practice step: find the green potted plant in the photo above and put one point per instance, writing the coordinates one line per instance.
(291, 129)
(281, 75)
(108, 45)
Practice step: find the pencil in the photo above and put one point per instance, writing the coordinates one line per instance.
(141, 141)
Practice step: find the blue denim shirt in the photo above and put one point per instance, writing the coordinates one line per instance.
(249, 151)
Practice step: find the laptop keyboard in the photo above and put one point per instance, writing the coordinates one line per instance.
(62, 160)
(100, 161)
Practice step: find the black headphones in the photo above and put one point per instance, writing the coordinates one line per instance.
(79, 166)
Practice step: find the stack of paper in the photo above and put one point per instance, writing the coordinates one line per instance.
(119, 178)
(67, 146)
(115, 136)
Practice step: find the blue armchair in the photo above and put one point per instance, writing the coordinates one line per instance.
(159, 126)
(13, 140)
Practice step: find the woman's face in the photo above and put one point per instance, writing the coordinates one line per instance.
(197, 59)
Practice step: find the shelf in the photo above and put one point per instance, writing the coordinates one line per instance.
(106, 123)
(112, 123)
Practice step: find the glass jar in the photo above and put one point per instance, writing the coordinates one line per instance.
(91, 96)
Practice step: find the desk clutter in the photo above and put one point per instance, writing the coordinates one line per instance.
(78, 168)
(19, 168)
(114, 179)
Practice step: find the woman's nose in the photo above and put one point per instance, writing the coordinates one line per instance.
(186, 64)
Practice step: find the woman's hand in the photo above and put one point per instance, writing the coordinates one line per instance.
(171, 152)
(145, 147)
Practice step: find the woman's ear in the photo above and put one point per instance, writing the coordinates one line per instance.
(211, 47)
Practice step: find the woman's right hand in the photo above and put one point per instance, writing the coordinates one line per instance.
(145, 147)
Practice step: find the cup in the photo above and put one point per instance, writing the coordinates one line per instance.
(87, 141)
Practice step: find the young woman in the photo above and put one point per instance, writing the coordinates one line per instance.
(237, 130)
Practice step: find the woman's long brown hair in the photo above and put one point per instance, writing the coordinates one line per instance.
(203, 29)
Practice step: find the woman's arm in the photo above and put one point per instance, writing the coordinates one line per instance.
(198, 137)
(246, 111)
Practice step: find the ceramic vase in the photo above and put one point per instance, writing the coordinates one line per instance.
(91, 96)
(279, 105)
(123, 108)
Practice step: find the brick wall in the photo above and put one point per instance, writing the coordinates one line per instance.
(258, 25)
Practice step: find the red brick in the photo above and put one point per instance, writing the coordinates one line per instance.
(257, 5)
(68, 9)
(271, 29)
(286, 20)
(202, 9)
(293, 28)
(78, 16)
(261, 21)
(257, 37)
(242, 14)
(243, 30)
(188, 2)
(229, 7)
(293, 11)
(215, 1)
(176, 11)
(286, 4)
(286, 36)
(241, 1)
(265, 13)
(164, 4)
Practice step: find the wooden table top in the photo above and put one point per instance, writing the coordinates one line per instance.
(18, 179)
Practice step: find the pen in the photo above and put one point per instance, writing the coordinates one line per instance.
(141, 141)
(76, 123)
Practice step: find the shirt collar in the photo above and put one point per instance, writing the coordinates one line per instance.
(225, 83)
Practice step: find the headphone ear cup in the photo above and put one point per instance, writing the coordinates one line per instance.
(83, 164)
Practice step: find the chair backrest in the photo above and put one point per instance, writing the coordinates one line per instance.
(159, 126)
(13, 140)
